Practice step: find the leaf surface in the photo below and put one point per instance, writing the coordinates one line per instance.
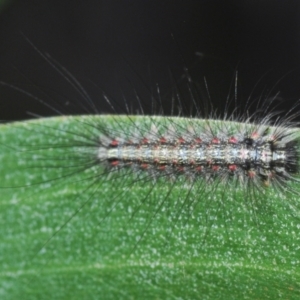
(69, 231)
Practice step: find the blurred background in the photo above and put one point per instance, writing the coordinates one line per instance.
(128, 49)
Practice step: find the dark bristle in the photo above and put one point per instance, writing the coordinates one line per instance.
(292, 153)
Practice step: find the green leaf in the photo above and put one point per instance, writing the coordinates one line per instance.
(69, 230)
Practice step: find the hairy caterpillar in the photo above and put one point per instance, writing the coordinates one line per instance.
(152, 196)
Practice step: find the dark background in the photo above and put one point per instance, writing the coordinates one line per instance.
(126, 48)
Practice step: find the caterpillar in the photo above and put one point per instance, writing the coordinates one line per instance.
(150, 196)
